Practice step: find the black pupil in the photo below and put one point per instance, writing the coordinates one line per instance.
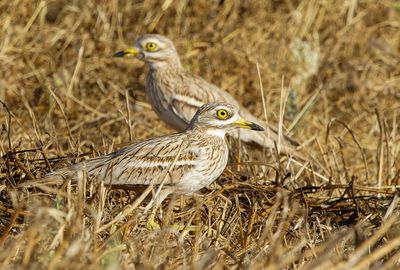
(223, 113)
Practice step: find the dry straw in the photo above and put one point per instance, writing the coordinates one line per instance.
(64, 98)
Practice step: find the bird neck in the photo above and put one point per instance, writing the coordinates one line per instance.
(217, 132)
(169, 64)
(209, 131)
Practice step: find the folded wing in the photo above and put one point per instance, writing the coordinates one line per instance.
(145, 163)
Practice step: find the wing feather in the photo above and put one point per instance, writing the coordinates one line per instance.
(144, 163)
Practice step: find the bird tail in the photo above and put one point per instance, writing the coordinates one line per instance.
(56, 178)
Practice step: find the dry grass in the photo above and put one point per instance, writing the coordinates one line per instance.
(65, 97)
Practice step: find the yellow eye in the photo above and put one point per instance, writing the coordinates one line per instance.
(151, 46)
(222, 114)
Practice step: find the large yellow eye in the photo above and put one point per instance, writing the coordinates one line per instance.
(222, 114)
(151, 46)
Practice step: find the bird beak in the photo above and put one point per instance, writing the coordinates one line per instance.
(127, 52)
(241, 123)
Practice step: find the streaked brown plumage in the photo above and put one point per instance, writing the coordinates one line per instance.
(176, 94)
(183, 163)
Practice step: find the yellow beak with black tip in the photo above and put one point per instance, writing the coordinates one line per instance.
(127, 52)
(241, 123)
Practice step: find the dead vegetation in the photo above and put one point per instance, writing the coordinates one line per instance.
(337, 63)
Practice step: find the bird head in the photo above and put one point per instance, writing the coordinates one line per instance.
(220, 118)
(152, 49)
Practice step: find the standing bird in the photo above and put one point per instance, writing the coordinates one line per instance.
(182, 163)
(176, 94)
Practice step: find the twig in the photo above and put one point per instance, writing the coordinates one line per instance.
(7, 156)
(333, 120)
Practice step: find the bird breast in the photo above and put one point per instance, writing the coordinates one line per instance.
(160, 88)
(212, 159)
